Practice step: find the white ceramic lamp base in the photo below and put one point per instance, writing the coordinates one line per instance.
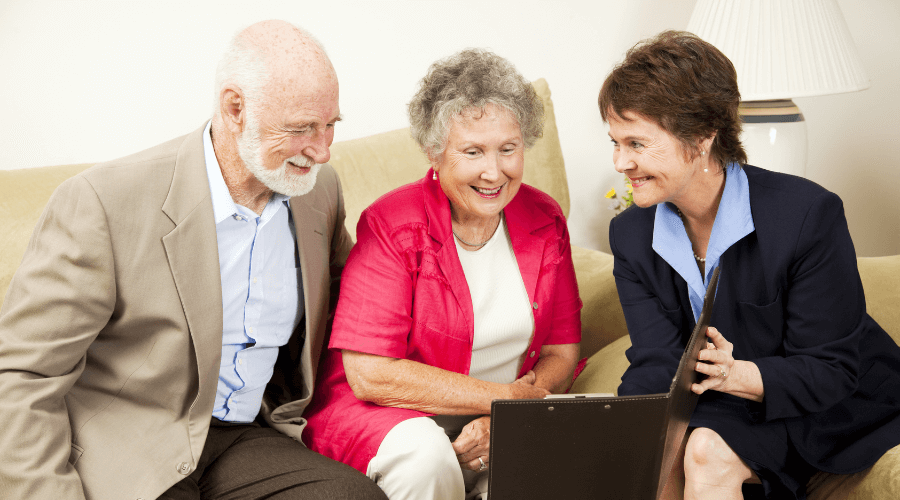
(774, 135)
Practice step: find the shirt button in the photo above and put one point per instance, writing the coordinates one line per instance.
(534, 305)
(532, 354)
(250, 329)
(254, 280)
(183, 468)
(240, 361)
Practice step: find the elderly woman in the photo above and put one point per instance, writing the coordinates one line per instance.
(460, 290)
(798, 378)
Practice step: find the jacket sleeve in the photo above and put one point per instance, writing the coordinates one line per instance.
(374, 313)
(824, 318)
(59, 299)
(656, 344)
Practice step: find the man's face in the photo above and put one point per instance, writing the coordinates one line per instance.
(287, 134)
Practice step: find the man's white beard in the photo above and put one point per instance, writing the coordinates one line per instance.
(281, 180)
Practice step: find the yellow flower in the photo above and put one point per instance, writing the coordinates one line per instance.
(630, 189)
(611, 194)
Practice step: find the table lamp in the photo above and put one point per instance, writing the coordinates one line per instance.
(781, 49)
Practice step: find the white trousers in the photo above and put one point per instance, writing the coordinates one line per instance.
(416, 461)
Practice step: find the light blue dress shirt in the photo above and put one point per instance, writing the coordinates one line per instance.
(733, 222)
(261, 301)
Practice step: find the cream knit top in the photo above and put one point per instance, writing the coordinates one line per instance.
(504, 323)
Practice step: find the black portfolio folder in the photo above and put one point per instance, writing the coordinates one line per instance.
(586, 447)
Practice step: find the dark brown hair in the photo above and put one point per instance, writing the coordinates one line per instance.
(684, 84)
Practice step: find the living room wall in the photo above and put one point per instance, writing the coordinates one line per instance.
(86, 81)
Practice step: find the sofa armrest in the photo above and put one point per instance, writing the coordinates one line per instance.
(602, 320)
(881, 282)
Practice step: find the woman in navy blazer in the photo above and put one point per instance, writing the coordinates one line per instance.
(799, 378)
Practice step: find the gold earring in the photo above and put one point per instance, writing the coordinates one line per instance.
(434, 176)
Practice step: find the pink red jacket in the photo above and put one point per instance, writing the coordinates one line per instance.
(404, 295)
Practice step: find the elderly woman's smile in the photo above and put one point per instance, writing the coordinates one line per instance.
(488, 193)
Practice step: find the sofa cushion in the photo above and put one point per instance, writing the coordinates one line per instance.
(880, 482)
(603, 370)
(23, 194)
(602, 319)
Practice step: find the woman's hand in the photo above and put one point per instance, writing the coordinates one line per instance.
(724, 373)
(472, 447)
(524, 388)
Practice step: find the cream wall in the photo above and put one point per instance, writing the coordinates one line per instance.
(86, 81)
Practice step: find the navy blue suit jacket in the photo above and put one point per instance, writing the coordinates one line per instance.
(790, 300)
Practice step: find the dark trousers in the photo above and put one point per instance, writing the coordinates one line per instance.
(248, 461)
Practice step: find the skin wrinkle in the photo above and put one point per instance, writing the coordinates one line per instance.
(484, 149)
(302, 90)
(662, 172)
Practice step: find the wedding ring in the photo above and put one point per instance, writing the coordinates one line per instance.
(483, 465)
(724, 374)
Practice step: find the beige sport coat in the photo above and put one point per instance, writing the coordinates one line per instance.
(111, 332)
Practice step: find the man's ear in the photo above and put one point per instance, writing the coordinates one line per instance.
(231, 105)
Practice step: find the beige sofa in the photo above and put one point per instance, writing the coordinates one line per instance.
(373, 165)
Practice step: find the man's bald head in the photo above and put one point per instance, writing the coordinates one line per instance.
(272, 56)
(276, 107)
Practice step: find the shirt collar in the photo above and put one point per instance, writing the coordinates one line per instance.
(733, 222)
(223, 205)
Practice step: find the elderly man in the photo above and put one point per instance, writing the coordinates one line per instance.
(161, 337)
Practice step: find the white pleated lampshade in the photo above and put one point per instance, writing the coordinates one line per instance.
(782, 49)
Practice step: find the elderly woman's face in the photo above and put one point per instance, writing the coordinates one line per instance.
(653, 160)
(481, 167)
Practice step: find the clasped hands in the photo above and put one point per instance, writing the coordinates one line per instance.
(472, 447)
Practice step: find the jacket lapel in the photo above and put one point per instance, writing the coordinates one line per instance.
(193, 257)
(529, 249)
(437, 209)
(312, 243)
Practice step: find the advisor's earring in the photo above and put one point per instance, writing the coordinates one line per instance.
(434, 176)
(703, 153)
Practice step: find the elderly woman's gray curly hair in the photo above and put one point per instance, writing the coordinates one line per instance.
(470, 80)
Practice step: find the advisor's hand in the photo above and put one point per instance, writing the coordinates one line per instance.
(716, 362)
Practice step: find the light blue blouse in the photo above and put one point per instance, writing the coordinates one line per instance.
(733, 222)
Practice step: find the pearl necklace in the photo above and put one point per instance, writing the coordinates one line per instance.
(702, 260)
